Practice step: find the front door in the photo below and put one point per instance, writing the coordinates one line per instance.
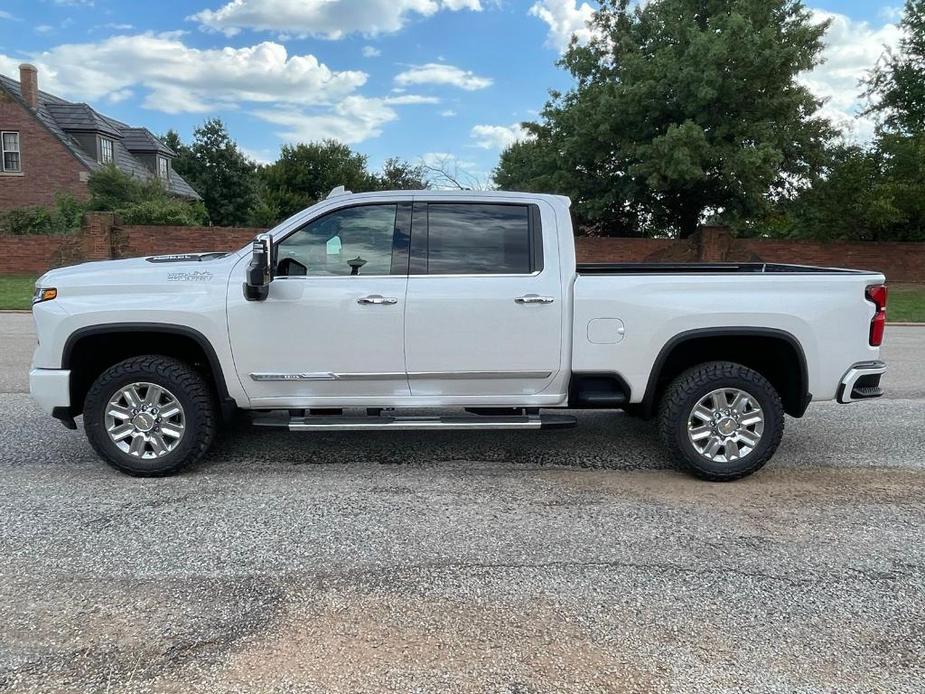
(332, 328)
(485, 302)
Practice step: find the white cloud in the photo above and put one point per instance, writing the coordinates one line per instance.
(371, 52)
(406, 99)
(330, 19)
(6, 15)
(852, 48)
(566, 18)
(448, 113)
(497, 136)
(184, 79)
(116, 26)
(441, 73)
(353, 120)
(44, 28)
(891, 13)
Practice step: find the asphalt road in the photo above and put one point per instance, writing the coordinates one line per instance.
(510, 562)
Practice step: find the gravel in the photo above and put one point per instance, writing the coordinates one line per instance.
(505, 562)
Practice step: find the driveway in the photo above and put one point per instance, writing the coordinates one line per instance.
(502, 561)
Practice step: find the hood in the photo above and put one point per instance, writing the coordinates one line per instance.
(138, 272)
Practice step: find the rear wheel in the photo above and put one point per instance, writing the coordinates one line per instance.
(721, 420)
(149, 416)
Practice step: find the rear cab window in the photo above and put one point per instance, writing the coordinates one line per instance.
(476, 239)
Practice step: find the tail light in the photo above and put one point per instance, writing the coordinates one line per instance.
(877, 295)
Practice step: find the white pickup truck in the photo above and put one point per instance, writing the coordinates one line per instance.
(366, 305)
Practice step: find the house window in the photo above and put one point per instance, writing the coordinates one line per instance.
(106, 146)
(11, 161)
(163, 167)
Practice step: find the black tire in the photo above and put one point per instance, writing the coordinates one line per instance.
(696, 383)
(190, 390)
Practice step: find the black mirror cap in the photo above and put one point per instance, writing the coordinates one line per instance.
(259, 272)
(256, 293)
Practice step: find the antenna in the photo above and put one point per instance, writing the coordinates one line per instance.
(337, 192)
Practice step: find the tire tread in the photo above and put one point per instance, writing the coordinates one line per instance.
(693, 381)
(180, 376)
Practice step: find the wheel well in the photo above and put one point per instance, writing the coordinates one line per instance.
(90, 353)
(774, 354)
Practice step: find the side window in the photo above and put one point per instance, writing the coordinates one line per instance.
(351, 241)
(10, 144)
(479, 239)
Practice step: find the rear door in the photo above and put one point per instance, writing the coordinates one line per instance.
(483, 314)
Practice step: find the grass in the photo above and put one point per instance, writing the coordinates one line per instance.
(906, 302)
(16, 291)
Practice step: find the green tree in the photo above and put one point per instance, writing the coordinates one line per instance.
(896, 85)
(306, 173)
(222, 175)
(681, 108)
(876, 192)
(398, 174)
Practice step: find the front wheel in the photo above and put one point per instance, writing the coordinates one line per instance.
(150, 415)
(721, 420)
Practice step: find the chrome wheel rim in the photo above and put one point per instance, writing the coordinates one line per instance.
(145, 420)
(725, 425)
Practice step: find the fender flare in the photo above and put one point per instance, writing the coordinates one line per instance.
(215, 365)
(648, 402)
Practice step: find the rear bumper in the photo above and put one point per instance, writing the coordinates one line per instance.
(51, 389)
(861, 382)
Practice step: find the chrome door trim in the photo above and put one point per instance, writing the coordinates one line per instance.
(327, 376)
(461, 375)
(389, 375)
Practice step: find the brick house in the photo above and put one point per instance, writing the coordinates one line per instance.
(50, 146)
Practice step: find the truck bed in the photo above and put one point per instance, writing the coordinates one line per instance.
(703, 268)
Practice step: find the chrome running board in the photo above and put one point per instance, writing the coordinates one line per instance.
(399, 423)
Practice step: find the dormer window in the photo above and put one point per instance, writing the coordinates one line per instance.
(163, 168)
(106, 150)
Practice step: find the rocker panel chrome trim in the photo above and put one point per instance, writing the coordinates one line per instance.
(385, 376)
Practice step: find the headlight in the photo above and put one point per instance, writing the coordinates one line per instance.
(44, 294)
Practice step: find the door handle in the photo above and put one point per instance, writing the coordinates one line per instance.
(534, 299)
(377, 299)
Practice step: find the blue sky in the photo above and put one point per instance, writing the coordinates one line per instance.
(413, 78)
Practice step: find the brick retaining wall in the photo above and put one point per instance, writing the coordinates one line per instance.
(102, 238)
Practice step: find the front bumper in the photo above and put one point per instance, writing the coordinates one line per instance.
(51, 389)
(862, 382)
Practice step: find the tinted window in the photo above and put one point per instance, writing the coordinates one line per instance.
(474, 239)
(352, 241)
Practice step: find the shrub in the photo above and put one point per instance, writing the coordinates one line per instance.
(165, 211)
(141, 202)
(62, 218)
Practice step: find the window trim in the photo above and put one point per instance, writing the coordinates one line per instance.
(420, 239)
(112, 144)
(401, 234)
(4, 150)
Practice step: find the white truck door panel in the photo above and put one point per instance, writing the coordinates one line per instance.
(481, 322)
(324, 332)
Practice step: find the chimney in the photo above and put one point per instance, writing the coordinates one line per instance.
(29, 85)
